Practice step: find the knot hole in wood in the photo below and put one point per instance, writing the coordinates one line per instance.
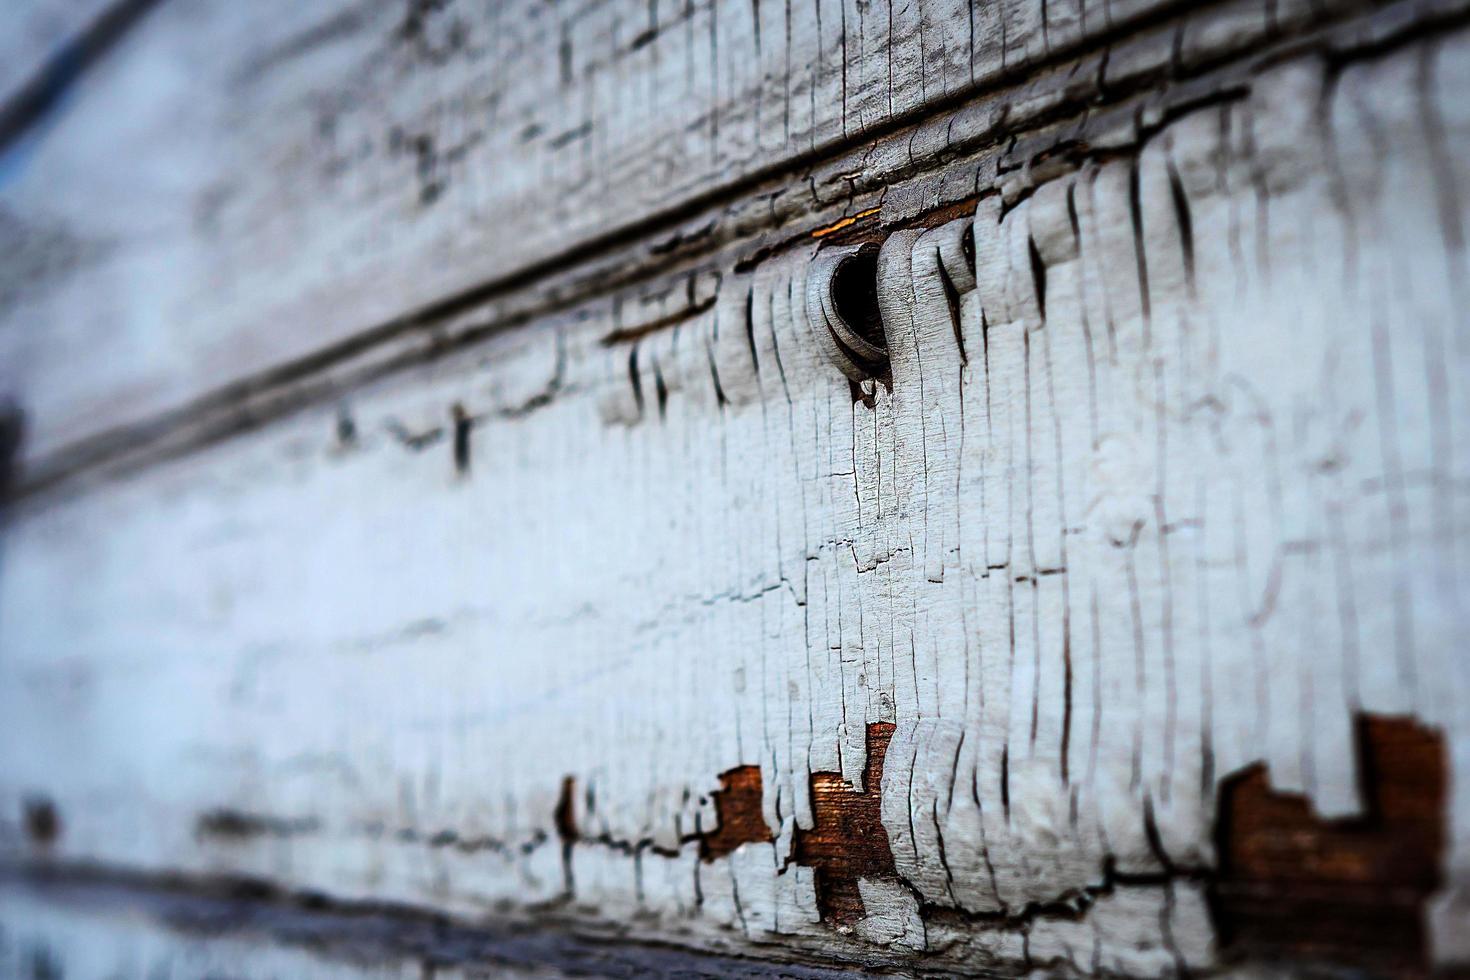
(843, 301)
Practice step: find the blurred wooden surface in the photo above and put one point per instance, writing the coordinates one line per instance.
(455, 483)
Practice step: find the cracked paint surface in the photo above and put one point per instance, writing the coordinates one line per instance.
(1165, 480)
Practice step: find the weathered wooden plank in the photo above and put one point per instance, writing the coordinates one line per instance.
(1162, 482)
(86, 925)
(285, 177)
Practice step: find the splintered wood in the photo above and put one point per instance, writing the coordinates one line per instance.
(1112, 612)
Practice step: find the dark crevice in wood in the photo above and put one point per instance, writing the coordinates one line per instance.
(755, 361)
(874, 232)
(624, 335)
(463, 423)
(42, 821)
(237, 825)
(661, 392)
(1185, 219)
(413, 441)
(1005, 781)
(42, 964)
(1038, 277)
(565, 819)
(12, 434)
(952, 298)
(1140, 251)
(635, 379)
(346, 429)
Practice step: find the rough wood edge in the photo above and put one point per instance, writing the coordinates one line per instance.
(376, 932)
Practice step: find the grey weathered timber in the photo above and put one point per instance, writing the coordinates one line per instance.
(1019, 528)
(285, 178)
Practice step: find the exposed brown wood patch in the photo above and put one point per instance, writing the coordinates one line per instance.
(565, 814)
(847, 840)
(1352, 890)
(738, 806)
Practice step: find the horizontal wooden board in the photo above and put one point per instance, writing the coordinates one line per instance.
(1165, 480)
(282, 178)
(122, 927)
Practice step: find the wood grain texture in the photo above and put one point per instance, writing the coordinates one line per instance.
(287, 180)
(674, 614)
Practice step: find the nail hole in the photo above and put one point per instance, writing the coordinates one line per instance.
(855, 296)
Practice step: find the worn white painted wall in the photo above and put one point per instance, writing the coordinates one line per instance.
(1191, 505)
